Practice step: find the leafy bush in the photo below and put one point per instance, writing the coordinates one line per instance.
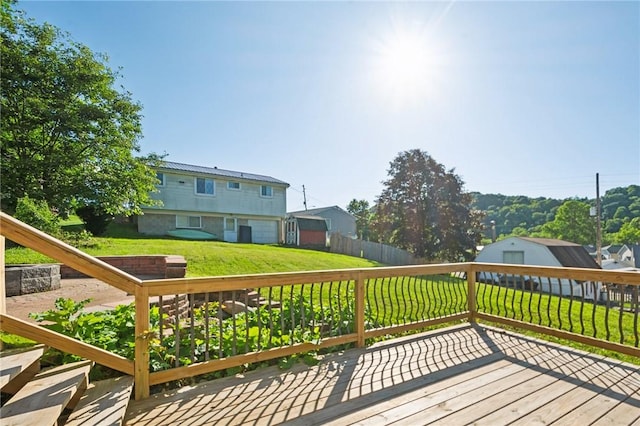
(253, 330)
(114, 331)
(95, 219)
(79, 239)
(109, 330)
(38, 214)
(11, 341)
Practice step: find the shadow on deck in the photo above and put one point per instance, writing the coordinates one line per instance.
(459, 375)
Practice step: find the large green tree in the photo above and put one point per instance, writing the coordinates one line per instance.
(629, 232)
(68, 135)
(424, 209)
(572, 223)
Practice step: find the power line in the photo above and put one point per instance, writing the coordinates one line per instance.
(579, 185)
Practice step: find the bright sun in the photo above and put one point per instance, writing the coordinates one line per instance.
(403, 67)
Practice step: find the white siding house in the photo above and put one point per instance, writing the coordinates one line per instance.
(544, 252)
(234, 206)
(338, 220)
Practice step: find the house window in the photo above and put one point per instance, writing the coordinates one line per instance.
(188, 221)
(205, 186)
(229, 224)
(233, 185)
(266, 191)
(160, 177)
(513, 257)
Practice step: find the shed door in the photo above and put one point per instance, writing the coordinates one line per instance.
(292, 232)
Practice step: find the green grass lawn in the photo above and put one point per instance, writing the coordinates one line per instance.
(204, 258)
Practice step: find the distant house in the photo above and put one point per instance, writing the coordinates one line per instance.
(616, 256)
(592, 250)
(628, 258)
(338, 220)
(233, 206)
(614, 251)
(306, 231)
(625, 254)
(543, 252)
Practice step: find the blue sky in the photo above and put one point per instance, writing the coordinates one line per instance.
(520, 98)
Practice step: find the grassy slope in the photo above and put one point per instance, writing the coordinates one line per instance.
(207, 258)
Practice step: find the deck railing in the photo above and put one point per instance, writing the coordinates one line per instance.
(234, 320)
(595, 307)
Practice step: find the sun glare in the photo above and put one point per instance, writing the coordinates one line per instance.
(405, 65)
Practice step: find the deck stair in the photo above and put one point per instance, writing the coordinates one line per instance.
(254, 299)
(18, 367)
(60, 395)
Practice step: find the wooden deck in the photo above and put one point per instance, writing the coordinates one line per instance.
(455, 376)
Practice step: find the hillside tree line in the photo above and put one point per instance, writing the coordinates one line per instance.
(552, 218)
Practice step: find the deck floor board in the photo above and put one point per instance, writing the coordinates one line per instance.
(459, 375)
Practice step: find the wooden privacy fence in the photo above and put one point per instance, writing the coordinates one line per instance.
(270, 316)
(369, 250)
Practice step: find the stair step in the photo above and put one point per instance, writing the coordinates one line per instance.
(253, 295)
(273, 304)
(104, 403)
(41, 401)
(18, 367)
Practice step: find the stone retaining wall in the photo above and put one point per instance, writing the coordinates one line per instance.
(151, 266)
(27, 279)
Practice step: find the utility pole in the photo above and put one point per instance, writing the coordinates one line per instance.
(493, 231)
(598, 224)
(304, 196)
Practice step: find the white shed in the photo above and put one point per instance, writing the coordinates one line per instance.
(544, 252)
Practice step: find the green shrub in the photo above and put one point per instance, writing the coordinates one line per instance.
(11, 341)
(263, 328)
(95, 219)
(38, 214)
(79, 238)
(112, 330)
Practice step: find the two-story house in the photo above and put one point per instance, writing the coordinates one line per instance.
(233, 206)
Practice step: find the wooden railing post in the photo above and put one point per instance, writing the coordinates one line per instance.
(359, 320)
(471, 292)
(3, 292)
(142, 333)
